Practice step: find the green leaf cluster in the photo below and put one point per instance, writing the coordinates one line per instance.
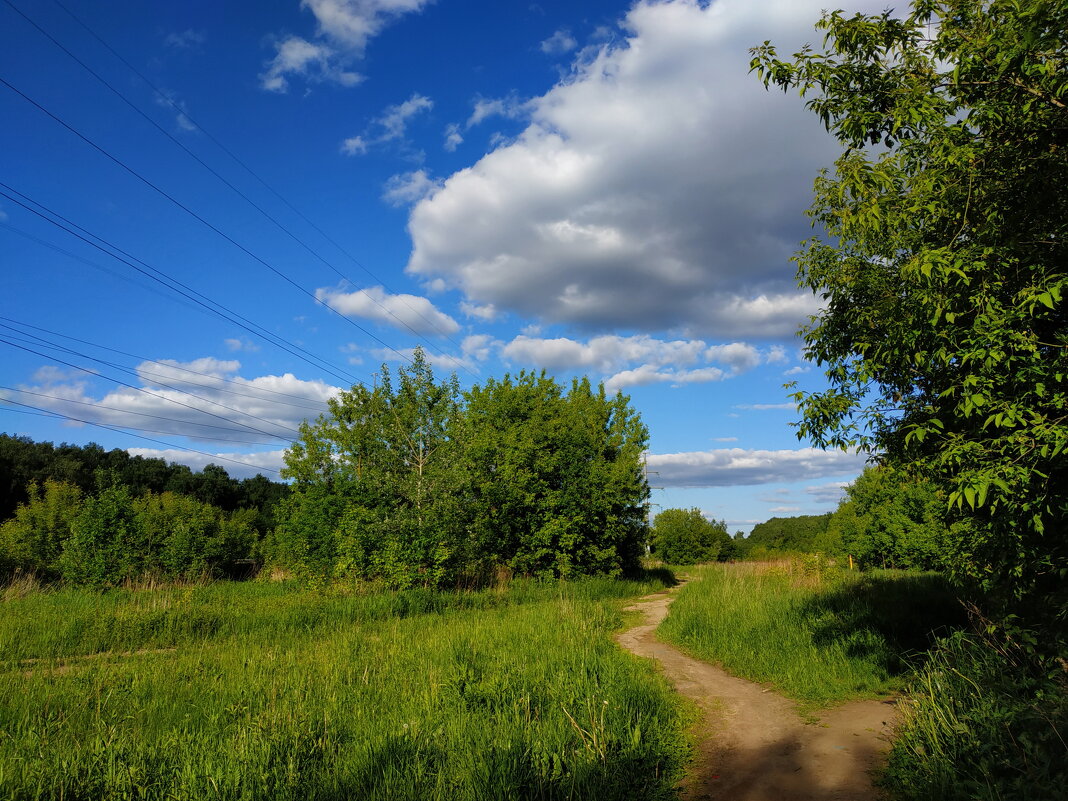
(686, 537)
(416, 483)
(942, 266)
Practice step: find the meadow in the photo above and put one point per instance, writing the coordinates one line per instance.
(260, 690)
(815, 633)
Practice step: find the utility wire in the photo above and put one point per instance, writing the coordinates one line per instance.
(169, 101)
(155, 274)
(120, 430)
(320, 407)
(159, 397)
(139, 414)
(194, 215)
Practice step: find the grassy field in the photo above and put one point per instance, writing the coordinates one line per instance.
(818, 635)
(270, 691)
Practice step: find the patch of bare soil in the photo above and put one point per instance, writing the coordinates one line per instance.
(752, 745)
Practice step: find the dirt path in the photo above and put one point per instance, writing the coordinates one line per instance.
(752, 744)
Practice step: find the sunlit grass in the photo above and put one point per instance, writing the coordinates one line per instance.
(817, 634)
(277, 692)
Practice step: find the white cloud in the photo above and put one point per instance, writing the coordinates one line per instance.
(453, 137)
(241, 344)
(739, 355)
(343, 29)
(237, 465)
(784, 509)
(391, 125)
(830, 493)
(603, 353)
(479, 346)
(409, 187)
(560, 42)
(487, 312)
(354, 146)
(724, 439)
(508, 107)
(657, 187)
(204, 400)
(729, 467)
(648, 374)
(411, 312)
(797, 369)
(185, 40)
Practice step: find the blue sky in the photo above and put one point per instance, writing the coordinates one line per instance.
(252, 204)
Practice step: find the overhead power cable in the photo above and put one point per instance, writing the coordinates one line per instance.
(162, 397)
(160, 276)
(320, 406)
(163, 193)
(213, 437)
(167, 99)
(121, 430)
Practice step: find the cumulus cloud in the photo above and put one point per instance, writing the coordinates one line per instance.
(241, 344)
(409, 187)
(237, 465)
(354, 146)
(487, 312)
(204, 400)
(560, 42)
(657, 187)
(343, 28)
(729, 467)
(636, 360)
(410, 312)
(485, 107)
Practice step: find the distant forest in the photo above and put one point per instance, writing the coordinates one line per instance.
(89, 467)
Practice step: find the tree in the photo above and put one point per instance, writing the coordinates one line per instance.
(686, 537)
(943, 265)
(892, 520)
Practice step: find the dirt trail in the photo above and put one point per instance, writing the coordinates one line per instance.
(752, 744)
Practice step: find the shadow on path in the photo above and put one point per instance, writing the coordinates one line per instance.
(752, 745)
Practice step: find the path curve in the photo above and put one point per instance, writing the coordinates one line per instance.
(752, 745)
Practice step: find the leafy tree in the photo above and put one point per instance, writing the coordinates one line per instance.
(33, 539)
(943, 268)
(792, 534)
(891, 520)
(373, 482)
(686, 537)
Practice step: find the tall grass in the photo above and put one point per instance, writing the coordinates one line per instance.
(984, 720)
(275, 692)
(818, 634)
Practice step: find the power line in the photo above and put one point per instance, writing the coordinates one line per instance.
(163, 397)
(120, 430)
(169, 101)
(163, 278)
(119, 162)
(138, 414)
(320, 407)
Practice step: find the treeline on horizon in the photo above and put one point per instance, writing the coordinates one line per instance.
(96, 517)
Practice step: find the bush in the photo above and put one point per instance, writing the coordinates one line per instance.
(33, 539)
(685, 537)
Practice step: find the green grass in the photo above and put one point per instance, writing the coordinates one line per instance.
(818, 635)
(275, 692)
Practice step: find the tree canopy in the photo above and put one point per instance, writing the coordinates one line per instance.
(415, 483)
(942, 267)
(686, 537)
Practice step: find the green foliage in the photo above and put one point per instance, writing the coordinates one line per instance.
(24, 462)
(987, 719)
(278, 692)
(799, 534)
(686, 537)
(416, 485)
(892, 520)
(106, 545)
(942, 268)
(33, 539)
(820, 635)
